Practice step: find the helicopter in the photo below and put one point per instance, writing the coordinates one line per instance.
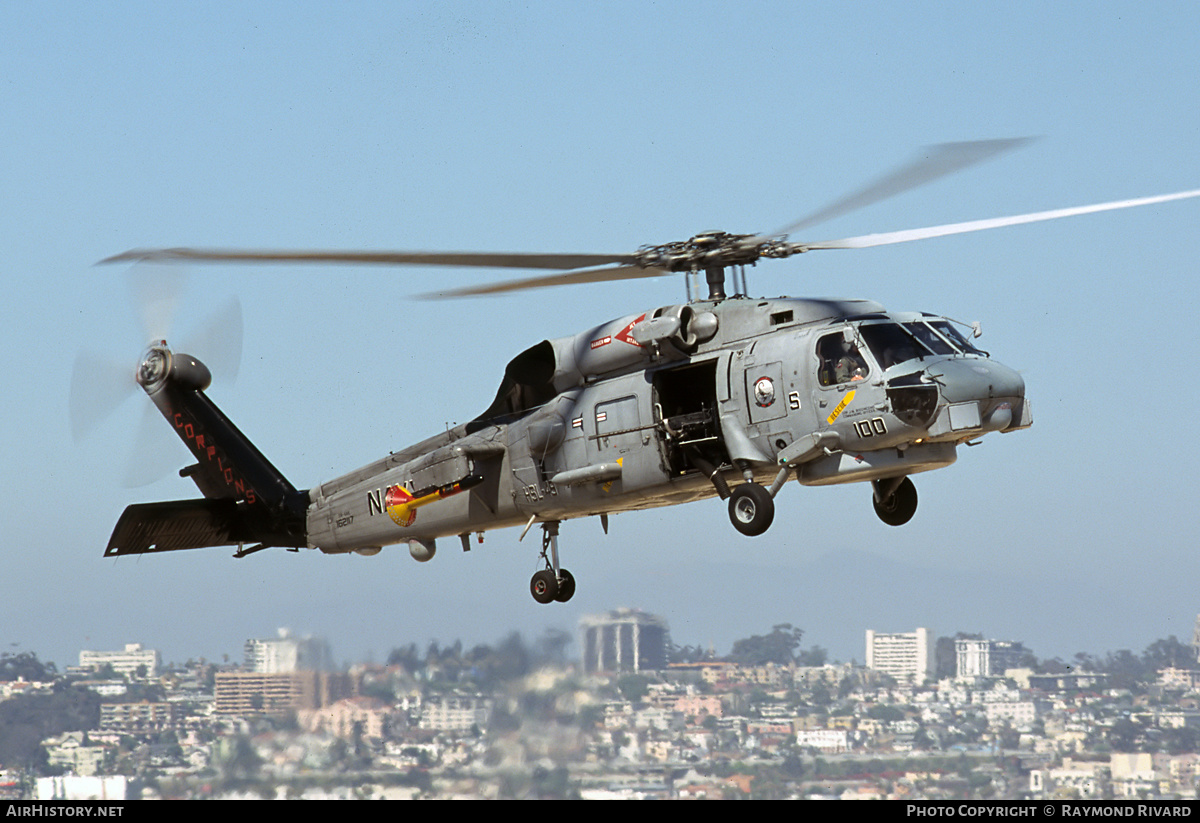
(723, 395)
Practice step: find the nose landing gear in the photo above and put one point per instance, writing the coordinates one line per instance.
(552, 583)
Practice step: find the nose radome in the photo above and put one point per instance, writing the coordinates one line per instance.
(969, 379)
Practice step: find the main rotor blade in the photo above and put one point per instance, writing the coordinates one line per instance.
(495, 260)
(888, 238)
(565, 279)
(933, 162)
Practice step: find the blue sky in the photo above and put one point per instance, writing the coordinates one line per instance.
(599, 128)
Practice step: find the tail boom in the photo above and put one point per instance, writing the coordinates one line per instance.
(246, 499)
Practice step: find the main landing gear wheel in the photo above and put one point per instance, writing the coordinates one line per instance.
(544, 587)
(751, 509)
(553, 582)
(566, 586)
(899, 507)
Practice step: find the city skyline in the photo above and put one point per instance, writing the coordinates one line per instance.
(841, 652)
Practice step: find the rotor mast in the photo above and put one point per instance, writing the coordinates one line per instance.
(715, 275)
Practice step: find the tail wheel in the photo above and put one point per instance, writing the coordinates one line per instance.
(544, 587)
(751, 509)
(900, 506)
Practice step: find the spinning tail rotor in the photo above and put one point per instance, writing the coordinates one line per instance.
(100, 384)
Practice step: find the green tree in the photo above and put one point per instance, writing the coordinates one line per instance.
(1123, 735)
(1053, 665)
(512, 658)
(241, 761)
(777, 647)
(815, 656)
(1125, 670)
(1168, 653)
(1181, 741)
(886, 713)
(406, 657)
(27, 666)
(552, 784)
(552, 646)
(634, 687)
(590, 716)
(792, 765)
(26, 720)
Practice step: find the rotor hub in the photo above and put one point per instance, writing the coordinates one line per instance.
(713, 252)
(155, 365)
(704, 251)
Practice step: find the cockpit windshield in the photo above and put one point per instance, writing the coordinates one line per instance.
(929, 338)
(893, 343)
(953, 335)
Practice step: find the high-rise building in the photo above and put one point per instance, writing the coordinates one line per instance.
(986, 658)
(1196, 638)
(906, 656)
(624, 640)
(286, 654)
(257, 693)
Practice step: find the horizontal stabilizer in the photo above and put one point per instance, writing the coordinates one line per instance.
(172, 525)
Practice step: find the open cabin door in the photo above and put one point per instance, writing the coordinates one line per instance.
(685, 406)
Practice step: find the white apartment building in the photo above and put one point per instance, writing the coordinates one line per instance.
(124, 662)
(831, 741)
(455, 713)
(286, 654)
(986, 658)
(906, 656)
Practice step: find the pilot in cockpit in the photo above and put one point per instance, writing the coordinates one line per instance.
(841, 361)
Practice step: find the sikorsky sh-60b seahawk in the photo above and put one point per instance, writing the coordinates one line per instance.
(724, 396)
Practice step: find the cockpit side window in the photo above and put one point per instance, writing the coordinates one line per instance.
(840, 361)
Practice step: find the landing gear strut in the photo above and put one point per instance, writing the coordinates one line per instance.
(895, 500)
(751, 509)
(553, 582)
